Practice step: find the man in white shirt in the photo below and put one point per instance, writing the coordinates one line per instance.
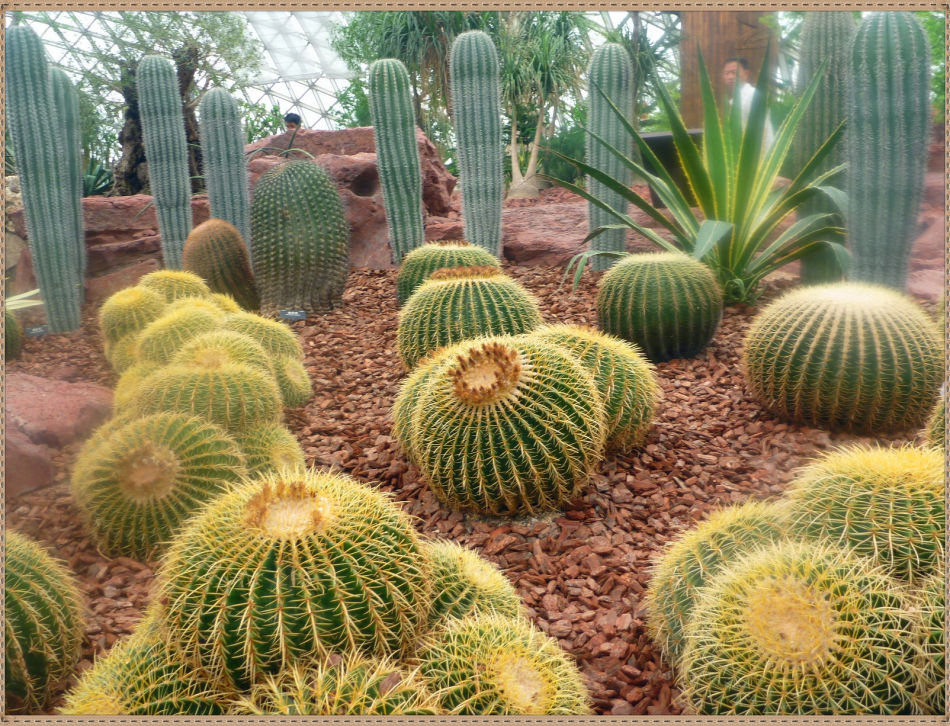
(738, 68)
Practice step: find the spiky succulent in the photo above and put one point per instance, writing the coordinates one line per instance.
(276, 337)
(195, 303)
(162, 338)
(937, 425)
(293, 381)
(457, 303)
(270, 447)
(128, 311)
(508, 427)
(173, 284)
(423, 261)
(216, 252)
(12, 336)
(123, 354)
(800, 628)
(226, 303)
(695, 559)
(43, 623)
(930, 598)
(128, 385)
(494, 665)
(850, 356)
(885, 504)
(220, 346)
(293, 566)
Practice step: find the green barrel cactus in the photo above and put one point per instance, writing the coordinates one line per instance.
(887, 143)
(174, 284)
(493, 665)
(12, 336)
(845, 356)
(885, 504)
(463, 583)
(270, 447)
(667, 303)
(137, 487)
(397, 154)
(43, 623)
(800, 628)
(299, 239)
(624, 378)
(423, 261)
(222, 155)
(931, 599)
(225, 303)
(696, 558)
(66, 107)
(937, 425)
(128, 311)
(127, 387)
(235, 397)
(161, 339)
(609, 74)
(354, 686)
(293, 381)
(292, 567)
(196, 303)
(825, 37)
(476, 114)
(215, 251)
(211, 349)
(508, 428)
(277, 338)
(123, 354)
(457, 303)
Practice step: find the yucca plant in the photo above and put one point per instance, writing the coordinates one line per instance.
(736, 231)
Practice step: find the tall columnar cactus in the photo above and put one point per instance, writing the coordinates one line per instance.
(887, 143)
(846, 356)
(476, 112)
(222, 154)
(40, 154)
(397, 154)
(216, 252)
(66, 106)
(826, 36)
(611, 71)
(423, 261)
(299, 239)
(43, 626)
(293, 566)
(166, 150)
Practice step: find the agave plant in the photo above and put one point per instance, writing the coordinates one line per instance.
(733, 179)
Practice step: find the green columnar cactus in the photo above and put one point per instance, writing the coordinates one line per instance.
(793, 629)
(166, 150)
(220, 346)
(222, 154)
(423, 261)
(12, 336)
(128, 311)
(293, 381)
(174, 284)
(163, 337)
(233, 396)
(277, 338)
(624, 378)
(885, 504)
(695, 559)
(66, 106)
(136, 488)
(825, 36)
(270, 447)
(667, 303)
(291, 567)
(887, 143)
(846, 356)
(492, 665)
(931, 599)
(40, 163)
(43, 626)
(457, 303)
(476, 105)
(397, 154)
(299, 239)
(215, 251)
(354, 686)
(508, 428)
(463, 583)
(610, 73)
(937, 425)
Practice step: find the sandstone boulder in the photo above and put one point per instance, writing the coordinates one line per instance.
(54, 412)
(27, 466)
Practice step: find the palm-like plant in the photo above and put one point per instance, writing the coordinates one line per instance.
(736, 230)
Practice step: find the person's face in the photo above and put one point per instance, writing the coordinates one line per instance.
(291, 125)
(730, 72)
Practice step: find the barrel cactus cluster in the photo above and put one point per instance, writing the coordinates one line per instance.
(217, 252)
(421, 262)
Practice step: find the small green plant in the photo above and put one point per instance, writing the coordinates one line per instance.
(423, 261)
(12, 330)
(96, 179)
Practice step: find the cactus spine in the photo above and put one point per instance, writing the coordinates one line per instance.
(215, 251)
(299, 239)
(166, 149)
(40, 158)
(476, 103)
(887, 143)
(611, 70)
(825, 36)
(397, 154)
(66, 105)
(222, 153)
(423, 261)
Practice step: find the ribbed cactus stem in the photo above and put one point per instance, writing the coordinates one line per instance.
(397, 155)
(166, 149)
(476, 104)
(222, 152)
(39, 154)
(826, 36)
(887, 143)
(611, 70)
(66, 105)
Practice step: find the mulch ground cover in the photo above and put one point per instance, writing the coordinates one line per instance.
(582, 573)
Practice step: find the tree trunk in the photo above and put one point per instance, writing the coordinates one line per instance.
(130, 173)
(186, 64)
(526, 185)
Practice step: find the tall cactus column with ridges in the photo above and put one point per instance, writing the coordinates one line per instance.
(66, 105)
(476, 104)
(166, 149)
(397, 155)
(887, 143)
